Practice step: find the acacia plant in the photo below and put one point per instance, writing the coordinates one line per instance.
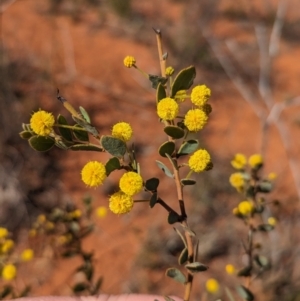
(181, 151)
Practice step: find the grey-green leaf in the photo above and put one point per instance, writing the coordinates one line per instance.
(86, 147)
(114, 146)
(111, 165)
(164, 168)
(26, 135)
(245, 293)
(167, 148)
(262, 261)
(188, 147)
(183, 257)
(196, 267)
(185, 182)
(41, 143)
(82, 134)
(66, 133)
(160, 93)
(265, 227)
(152, 184)
(174, 131)
(85, 114)
(176, 275)
(183, 80)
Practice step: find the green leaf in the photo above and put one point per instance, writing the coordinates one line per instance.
(85, 114)
(41, 143)
(183, 257)
(265, 186)
(26, 135)
(152, 184)
(111, 165)
(66, 133)
(156, 80)
(81, 135)
(153, 200)
(245, 272)
(245, 293)
(262, 261)
(167, 148)
(114, 146)
(160, 93)
(174, 131)
(188, 147)
(173, 218)
(176, 275)
(196, 267)
(265, 227)
(79, 287)
(183, 80)
(164, 168)
(89, 128)
(185, 182)
(86, 147)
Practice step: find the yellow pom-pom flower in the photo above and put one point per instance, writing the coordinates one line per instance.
(237, 181)
(245, 208)
(272, 221)
(272, 176)
(212, 286)
(167, 109)
(169, 71)
(7, 246)
(93, 174)
(27, 255)
(239, 161)
(75, 214)
(42, 123)
(122, 130)
(3, 232)
(129, 61)
(101, 211)
(230, 269)
(200, 161)
(200, 95)
(9, 272)
(256, 161)
(195, 120)
(131, 183)
(120, 203)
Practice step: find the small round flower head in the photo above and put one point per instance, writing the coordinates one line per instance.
(200, 95)
(7, 246)
(256, 161)
(41, 219)
(93, 174)
(167, 109)
(76, 214)
(212, 286)
(230, 269)
(3, 232)
(122, 130)
(180, 96)
(42, 123)
(272, 176)
(101, 211)
(120, 203)
(27, 255)
(195, 120)
(237, 181)
(129, 61)
(239, 161)
(245, 208)
(200, 161)
(9, 272)
(131, 183)
(169, 71)
(272, 221)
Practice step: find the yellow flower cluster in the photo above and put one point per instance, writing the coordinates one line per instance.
(3, 232)
(131, 183)
(120, 203)
(27, 255)
(9, 272)
(245, 208)
(200, 95)
(129, 61)
(167, 109)
(230, 269)
(195, 120)
(122, 130)
(255, 161)
(239, 161)
(93, 174)
(42, 123)
(169, 71)
(237, 181)
(212, 286)
(101, 211)
(200, 161)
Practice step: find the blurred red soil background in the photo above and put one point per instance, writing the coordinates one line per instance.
(78, 47)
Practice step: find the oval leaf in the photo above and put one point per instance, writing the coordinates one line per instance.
(86, 147)
(265, 227)
(245, 293)
(85, 114)
(245, 272)
(111, 165)
(152, 184)
(174, 131)
(114, 146)
(183, 257)
(80, 134)
(176, 275)
(160, 93)
(153, 200)
(196, 267)
(188, 147)
(66, 133)
(262, 261)
(265, 186)
(80, 287)
(167, 148)
(26, 135)
(173, 218)
(183, 80)
(41, 143)
(164, 168)
(186, 182)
